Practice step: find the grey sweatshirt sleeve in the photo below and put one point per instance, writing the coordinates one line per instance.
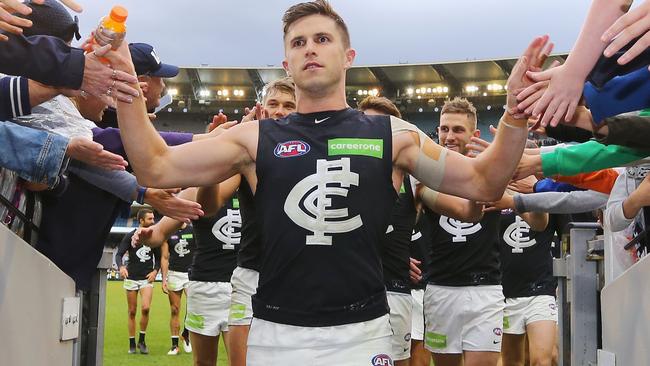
(121, 184)
(560, 202)
(614, 216)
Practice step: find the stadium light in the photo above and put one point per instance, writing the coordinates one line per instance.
(409, 91)
(172, 91)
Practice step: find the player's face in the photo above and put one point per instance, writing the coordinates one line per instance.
(147, 221)
(455, 131)
(91, 108)
(156, 85)
(315, 54)
(279, 104)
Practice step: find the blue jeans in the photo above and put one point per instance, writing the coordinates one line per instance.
(37, 156)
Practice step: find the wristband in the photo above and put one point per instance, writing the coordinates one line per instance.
(141, 192)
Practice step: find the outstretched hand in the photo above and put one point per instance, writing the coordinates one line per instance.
(166, 202)
(533, 57)
(92, 153)
(141, 236)
(256, 113)
(629, 26)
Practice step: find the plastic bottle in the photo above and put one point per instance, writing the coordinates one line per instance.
(112, 28)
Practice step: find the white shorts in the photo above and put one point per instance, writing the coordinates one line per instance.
(417, 323)
(468, 318)
(521, 311)
(177, 281)
(244, 286)
(135, 285)
(365, 343)
(207, 307)
(401, 307)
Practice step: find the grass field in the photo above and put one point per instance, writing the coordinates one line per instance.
(116, 339)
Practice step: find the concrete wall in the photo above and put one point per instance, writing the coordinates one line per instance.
(31, 300)
(625, 311)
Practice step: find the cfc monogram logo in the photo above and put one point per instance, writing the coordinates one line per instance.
(143, 253)
(516, 235)
(459, 229)
(228, 229)
(315, 192)
(181, 248)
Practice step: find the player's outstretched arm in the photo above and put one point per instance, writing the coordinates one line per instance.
(450, 206)
(485, 177)
(198, 163)
(212, 198)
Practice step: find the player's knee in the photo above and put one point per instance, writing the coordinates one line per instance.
(540, 360)
(145, 310)
(175, 310)
(131, 313)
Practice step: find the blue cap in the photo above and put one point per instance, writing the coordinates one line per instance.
(146, 62)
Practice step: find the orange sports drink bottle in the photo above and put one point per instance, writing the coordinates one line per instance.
(111, 29)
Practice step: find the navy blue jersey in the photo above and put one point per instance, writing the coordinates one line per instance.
(421, 248)
(250, 247)
(142, 258)
(323, 202)
(396, 245)
(526, 258)
(181, 249)
(217, 243)
(464, 254)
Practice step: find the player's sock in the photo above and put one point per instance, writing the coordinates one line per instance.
(174, 341)
(141, 338)
(131, 342)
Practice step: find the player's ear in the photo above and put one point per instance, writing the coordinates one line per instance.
(350, 54)
(285, 66)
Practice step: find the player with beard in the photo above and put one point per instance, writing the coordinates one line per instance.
(323, 193)
(139, 275)
(463, 301)
(396, 244)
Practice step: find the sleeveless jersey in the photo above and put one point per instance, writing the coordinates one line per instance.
(181, 249)
(323, 202)
(396, 244)
(526, 258)
(464, 254)
(421, 248)
(249, 246)
(217, 243)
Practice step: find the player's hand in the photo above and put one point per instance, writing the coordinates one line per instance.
(524, 186)
(560, 99)
(92, 153)
(476, 146)
(11, 23)
(533, 57)
(141, 236)
(629, 26)
(415, 273)
(166, 202)
(164, 286)
(506, 202)
(101, 80)
(123, 272)
(151, 277)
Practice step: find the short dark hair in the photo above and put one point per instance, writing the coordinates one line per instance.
(380, 104)
(142, 213)
(317, 7)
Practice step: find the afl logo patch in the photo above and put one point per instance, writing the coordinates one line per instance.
(291, 149)
(382, 360)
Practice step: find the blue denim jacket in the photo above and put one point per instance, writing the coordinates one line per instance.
(37, 156)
